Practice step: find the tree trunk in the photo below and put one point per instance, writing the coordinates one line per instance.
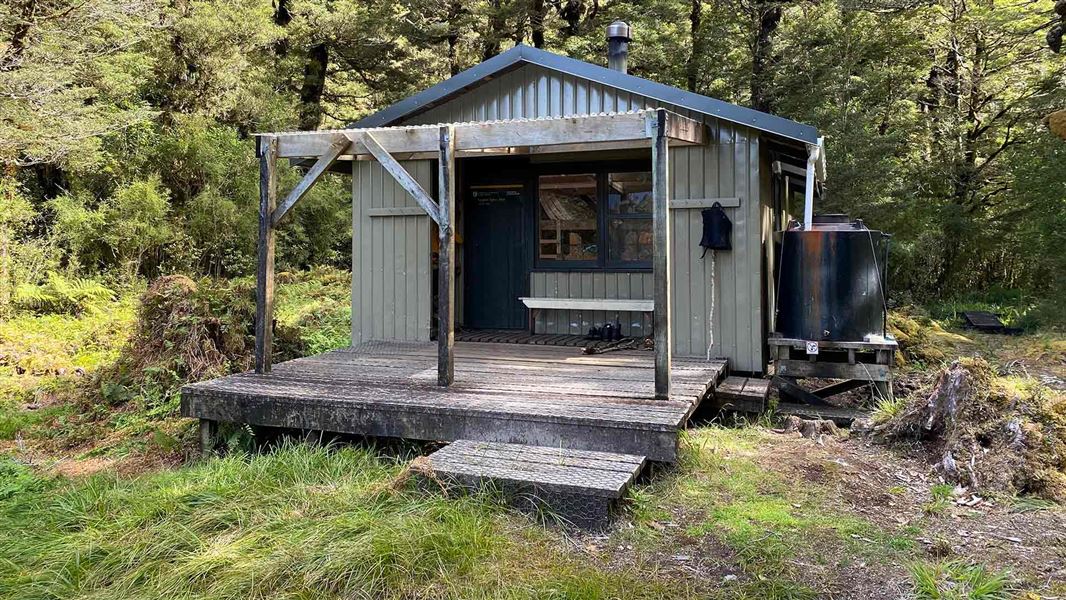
(313, 84)
(491, 45)
(17, 44)
(454, 10)
(692, 68)
(282, 18)
(769, 18)
(5, 270)
(571, 12)
(537, 23)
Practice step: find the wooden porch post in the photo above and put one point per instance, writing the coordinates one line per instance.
(446, 259)
(264, 277)
(661, 248)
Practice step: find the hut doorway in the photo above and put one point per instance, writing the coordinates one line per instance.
(496, 261)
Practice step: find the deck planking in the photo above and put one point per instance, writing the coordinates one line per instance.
(542, 395)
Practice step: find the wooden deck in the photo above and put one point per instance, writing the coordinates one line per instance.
(540, 395)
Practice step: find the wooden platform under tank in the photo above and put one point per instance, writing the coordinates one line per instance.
(539, 395)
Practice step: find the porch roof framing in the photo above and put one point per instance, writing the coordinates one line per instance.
(518, 136)
(656, 129)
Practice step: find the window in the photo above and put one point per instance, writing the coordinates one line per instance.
(595, 220)
(629, 203)
(569, 218)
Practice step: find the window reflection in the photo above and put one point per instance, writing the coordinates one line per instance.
(568, 218)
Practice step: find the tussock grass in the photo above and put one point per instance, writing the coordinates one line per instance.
(957, 580)
(888, 408)
(297, 523)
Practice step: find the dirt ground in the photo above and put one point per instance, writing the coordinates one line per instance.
(855, 480)
(893, 491)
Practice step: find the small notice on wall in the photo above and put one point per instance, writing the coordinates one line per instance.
(812, 347)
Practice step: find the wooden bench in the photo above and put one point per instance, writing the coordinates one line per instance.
(536, 305)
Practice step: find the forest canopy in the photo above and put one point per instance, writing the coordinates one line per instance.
(125, 125)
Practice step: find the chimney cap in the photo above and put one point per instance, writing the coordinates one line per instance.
(619, 29)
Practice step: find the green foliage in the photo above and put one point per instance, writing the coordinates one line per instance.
(956, 580)
(73, 72)
(127, 126)
(16, 479)
(317, 307)
(121, 231)
(60, 294)
(135, 221)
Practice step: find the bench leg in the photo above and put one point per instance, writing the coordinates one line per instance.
(532, 321)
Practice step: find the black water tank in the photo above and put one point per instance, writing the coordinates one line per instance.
(832, 282)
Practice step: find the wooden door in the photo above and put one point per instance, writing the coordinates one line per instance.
(497, 249)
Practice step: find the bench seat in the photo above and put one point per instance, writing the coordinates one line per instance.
(619, 304)
(605, 304)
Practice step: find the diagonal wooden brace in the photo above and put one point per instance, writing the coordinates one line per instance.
(401, 175)
(339, 144)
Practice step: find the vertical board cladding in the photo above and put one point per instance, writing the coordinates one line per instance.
(611, 284)
(729, 166)
(391, 275)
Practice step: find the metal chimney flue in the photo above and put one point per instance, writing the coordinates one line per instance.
(618, 45)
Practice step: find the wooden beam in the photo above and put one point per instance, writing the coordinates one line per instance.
(792, 390)
(264, 275)
(660, 177)
(401, 176)
(446, 260)
(313, 175)
(396, 211)
(614, 130)
(683, 203)
(802, 369)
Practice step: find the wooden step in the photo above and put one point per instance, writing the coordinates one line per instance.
(742, 394)
(580, 486)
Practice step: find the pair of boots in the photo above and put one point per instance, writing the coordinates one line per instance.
(609, 333)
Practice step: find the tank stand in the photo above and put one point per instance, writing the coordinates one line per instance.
(855, 364)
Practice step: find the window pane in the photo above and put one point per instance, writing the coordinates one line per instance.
(630, 239)
(568, 223)
(629, 199)
(629, 193)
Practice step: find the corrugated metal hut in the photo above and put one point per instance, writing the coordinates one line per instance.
(531, 199)
(576, 224)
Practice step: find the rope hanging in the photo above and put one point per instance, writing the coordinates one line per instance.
(710, 315)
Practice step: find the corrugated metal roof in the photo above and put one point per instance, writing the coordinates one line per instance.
(521, 54)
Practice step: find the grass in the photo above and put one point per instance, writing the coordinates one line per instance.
(300, 522)
(957, 580)
(888, 408)
(941, 498)
(1014, 307)
(312, 522)
(303, 522)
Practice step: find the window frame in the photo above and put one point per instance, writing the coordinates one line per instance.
(602, 263)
